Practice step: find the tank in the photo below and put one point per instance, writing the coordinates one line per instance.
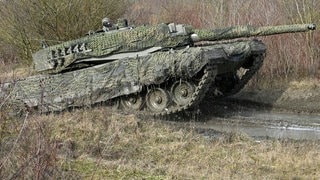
(155, 70)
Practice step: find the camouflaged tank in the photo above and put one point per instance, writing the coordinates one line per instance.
(158, 70)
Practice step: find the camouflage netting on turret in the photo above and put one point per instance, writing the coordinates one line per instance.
(104, 45)
(58, 57)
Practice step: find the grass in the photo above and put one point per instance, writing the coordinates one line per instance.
(99, 144)
(9, 72)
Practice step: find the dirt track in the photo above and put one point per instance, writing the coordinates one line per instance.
(291, 112)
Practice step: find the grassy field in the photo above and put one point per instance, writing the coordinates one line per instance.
(100, 144)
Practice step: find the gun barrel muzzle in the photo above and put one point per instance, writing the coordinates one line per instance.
(312, 26)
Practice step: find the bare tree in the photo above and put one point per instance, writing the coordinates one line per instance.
(24, 23)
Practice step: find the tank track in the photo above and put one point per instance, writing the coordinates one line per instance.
(256, 65)
(201, 87)
(205, 88)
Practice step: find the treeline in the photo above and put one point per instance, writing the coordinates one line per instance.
(25, 22)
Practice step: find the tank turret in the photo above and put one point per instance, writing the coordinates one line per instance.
(113, 44)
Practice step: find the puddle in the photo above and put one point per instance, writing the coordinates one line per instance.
(297, 133)
(267, 125)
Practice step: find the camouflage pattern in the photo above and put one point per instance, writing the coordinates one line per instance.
(57, 58)
(248, 31)
(126, 76)
(106, 81)
(160, 68)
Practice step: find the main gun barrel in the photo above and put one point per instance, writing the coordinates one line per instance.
(248, 31)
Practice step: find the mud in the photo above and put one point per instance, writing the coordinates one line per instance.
(286, 112)
(265, 125)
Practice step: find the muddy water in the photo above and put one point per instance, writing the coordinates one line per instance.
(256, 120)
(266, 124)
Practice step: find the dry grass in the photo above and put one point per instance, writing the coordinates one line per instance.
(289, 55)
(98, 144)
(10, 72)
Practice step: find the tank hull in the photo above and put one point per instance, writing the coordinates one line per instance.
(117, 80)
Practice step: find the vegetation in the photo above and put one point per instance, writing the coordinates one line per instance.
(289, 56)
(100, 144)
(25, 23)
(97, 144)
